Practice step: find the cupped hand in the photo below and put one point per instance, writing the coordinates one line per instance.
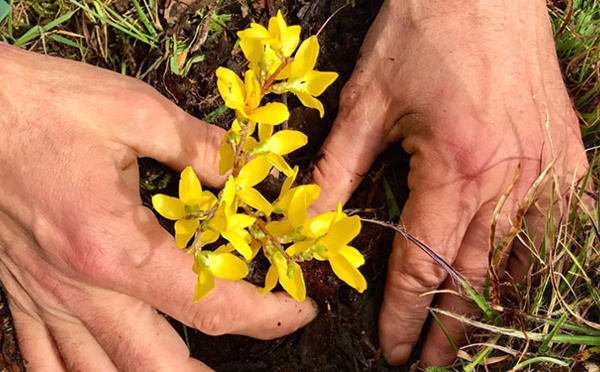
(85, 265)
(472, 90)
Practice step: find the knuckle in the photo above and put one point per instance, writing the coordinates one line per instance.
(216, 317)
(90, 257)
(419, 276)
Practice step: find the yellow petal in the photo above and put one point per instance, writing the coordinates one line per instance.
(298, 209)
(285, 73)
(348, 273)
(239, 243)
(209, 236)
(227, 266)
(311, 102)
(168, 206)
(205, 284)
(294, 286)
(269, 61)
(286, 141)
(251, 41)
(318, 81)
(279, 162)
(255, 245)
(289, 181)
(226, 158)
(253, 172)
(270, 280)
(265, 131)
(228, 192)
(255, 199)
(184, 231)
(239, 221)
(250, 143)
(207, 201)
(352, 255)
(290, 40)
(225, 248)
(303, 197)
(342, 232)
(253, 91)
(299, 247)
(318, 225)
(231, 88)
(190, 190)
(280, 228)
(272, 113)
(306, 57)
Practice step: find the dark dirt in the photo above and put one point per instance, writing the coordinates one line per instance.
(344, 336)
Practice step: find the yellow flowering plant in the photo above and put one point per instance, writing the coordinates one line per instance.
(240, 214)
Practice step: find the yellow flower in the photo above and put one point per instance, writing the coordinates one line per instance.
(244, 98)
(264, 48)
(345, 260)
(221, 264)
(303, 80)
(232, 138)
(274, 146)
(289, 275)
(229, 224)
(293, 203)
(327, 236)
(250, 175)
(188, 210)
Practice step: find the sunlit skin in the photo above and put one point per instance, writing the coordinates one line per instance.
(242, 215)
(471, 90)
(84, 264)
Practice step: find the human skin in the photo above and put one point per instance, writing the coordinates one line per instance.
(472, 90)
(84, 264)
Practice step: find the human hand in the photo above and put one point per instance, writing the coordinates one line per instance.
(83, 262)
(472, 91)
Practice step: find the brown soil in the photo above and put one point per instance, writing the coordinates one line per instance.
(344, 336)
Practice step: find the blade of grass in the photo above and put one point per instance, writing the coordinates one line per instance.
(548, 339)
(567, 339)
(4, 10)
(527, 362)
(37, 31)
(144, 18)
(107, 21)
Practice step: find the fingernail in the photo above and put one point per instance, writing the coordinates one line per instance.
(398, 355)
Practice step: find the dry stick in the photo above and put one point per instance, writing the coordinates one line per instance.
(494, 284)
(434, 256)
(455, 275)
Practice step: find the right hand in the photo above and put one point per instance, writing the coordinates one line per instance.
(472, 90)
(85, 265)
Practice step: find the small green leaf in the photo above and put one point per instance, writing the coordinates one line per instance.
(4, 9)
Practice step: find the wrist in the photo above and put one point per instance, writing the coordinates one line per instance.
(418, 10)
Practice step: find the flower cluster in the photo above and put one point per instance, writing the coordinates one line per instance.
(241, 215)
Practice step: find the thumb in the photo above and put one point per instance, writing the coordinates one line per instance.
(155, 127)
(357, 137)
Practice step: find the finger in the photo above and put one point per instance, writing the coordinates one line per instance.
(35, 342)
(439, 217)
(135, 336)
(472, 263)
(359, 134)
(157, 128)
(155, 271)
(78, 348)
